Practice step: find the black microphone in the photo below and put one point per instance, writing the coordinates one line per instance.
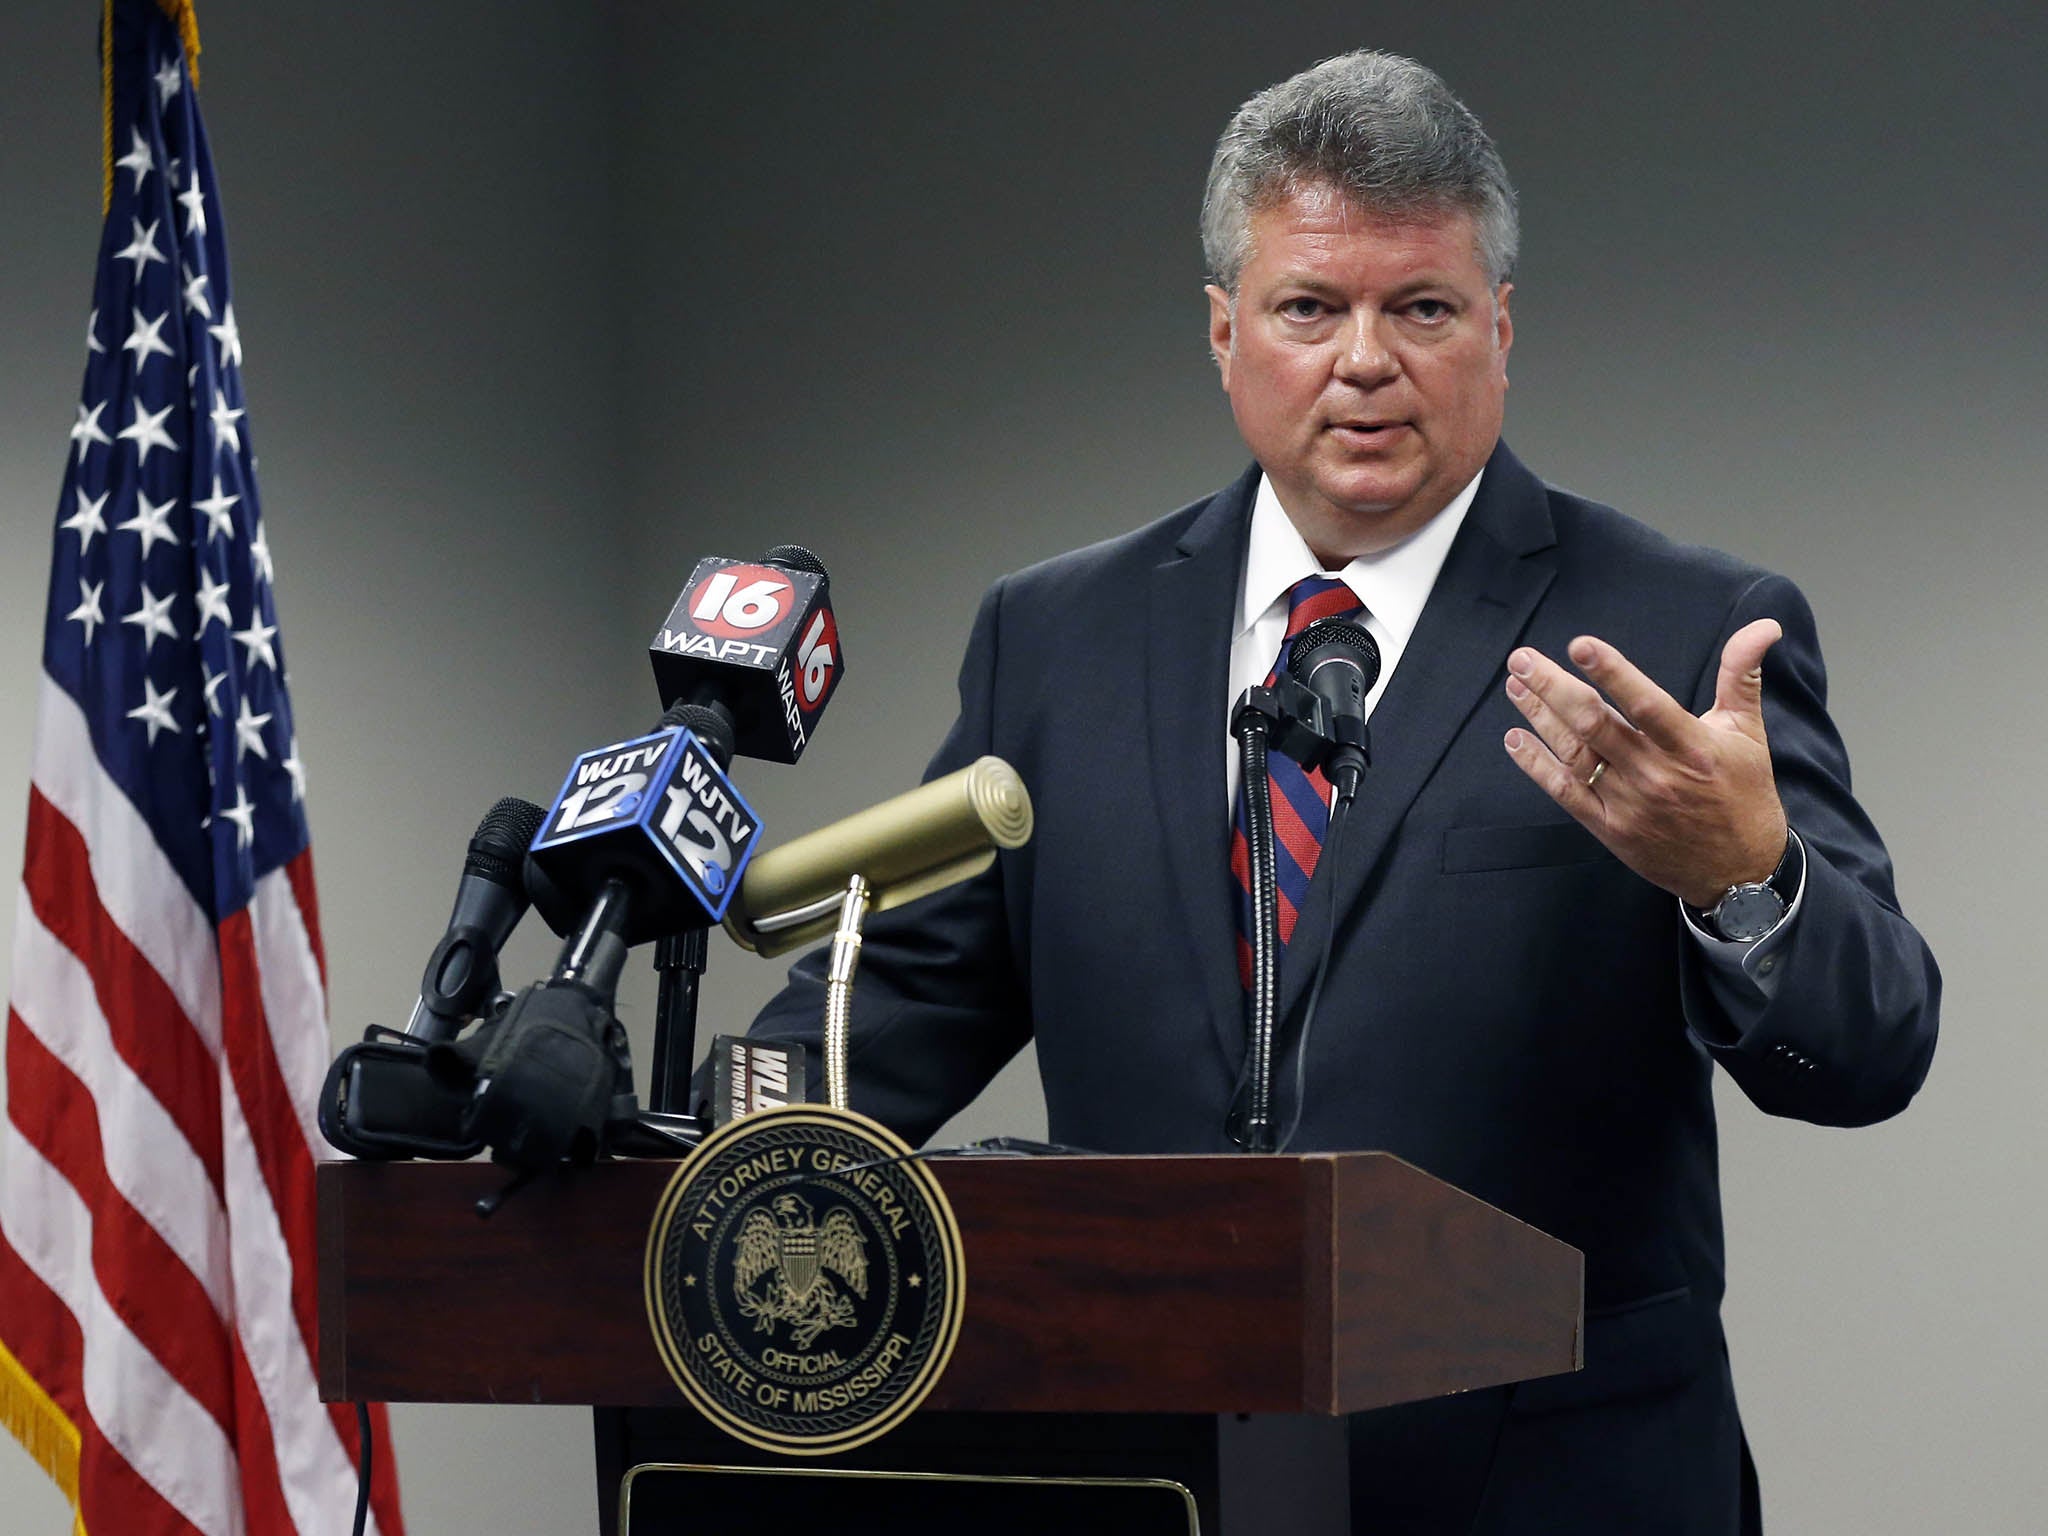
(1339, 661)
(758, 641)
(462, 972)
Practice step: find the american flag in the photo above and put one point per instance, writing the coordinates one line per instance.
(166, 1033)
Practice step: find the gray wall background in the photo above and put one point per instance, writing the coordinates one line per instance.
(543, 300)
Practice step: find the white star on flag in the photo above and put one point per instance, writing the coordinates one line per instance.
(249, 731)
(213, 604)
(193, 201)
(139, 160)
(167, 82)
(142, 248)
(243, 815)
(228, 335)
(224, 428)
(153, 618)
(217, 507)
(88, 610)
(92, 334)
(256, 640)
(147, 432)
(213, 682)
(151, 523)
(86, 521)
(155, 710)
(145, 338)
(297, 770)
(195, 295)
(259, 556)
(87, 429)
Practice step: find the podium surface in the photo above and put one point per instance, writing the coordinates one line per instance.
(1315, 1284)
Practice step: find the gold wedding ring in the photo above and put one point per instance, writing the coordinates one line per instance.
(1599, 768)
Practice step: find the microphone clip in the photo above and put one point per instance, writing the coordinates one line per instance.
(1298, 722)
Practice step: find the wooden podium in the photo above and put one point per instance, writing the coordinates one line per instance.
(1200, 1321)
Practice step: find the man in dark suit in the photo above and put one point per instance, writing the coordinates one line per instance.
(1564, 891)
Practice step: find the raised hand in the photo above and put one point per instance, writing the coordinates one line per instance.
(1687, 802)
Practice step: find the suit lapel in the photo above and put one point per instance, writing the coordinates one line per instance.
(1498, 568)
(1190, 600)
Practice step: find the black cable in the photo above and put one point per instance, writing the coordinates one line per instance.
(1328, 857)
(363, 1470)
(1255, 1078)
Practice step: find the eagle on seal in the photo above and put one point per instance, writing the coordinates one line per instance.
(785, 1262)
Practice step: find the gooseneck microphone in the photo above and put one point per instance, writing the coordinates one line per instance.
(462, 972)
(1339, 662)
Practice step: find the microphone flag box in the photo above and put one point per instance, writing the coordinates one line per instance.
(761, 639)
(747, 1075)
(658, 814)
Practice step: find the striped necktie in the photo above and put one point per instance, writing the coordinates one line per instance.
(1301, 797)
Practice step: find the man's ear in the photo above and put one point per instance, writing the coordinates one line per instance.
(1220, 327)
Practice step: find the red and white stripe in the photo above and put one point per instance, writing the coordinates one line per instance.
(156, 1176)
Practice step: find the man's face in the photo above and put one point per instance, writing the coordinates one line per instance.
(1366, 363)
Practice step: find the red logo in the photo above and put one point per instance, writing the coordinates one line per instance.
(817, 659)
(740, 602)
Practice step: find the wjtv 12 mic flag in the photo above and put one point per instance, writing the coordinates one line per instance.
(166, 1031)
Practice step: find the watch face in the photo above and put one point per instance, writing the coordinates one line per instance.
(1748, 912)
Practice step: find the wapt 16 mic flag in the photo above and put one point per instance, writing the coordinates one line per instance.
(762, 640)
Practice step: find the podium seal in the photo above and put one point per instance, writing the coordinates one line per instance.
(804, 1279)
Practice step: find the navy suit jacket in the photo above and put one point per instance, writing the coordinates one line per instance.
(1507, 1005)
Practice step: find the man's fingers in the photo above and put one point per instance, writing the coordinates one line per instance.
(1565, 744)
(1553, 777)
(1574, 713)
(1739, 687)
(1647, 707)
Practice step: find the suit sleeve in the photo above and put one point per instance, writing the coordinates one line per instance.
(939, 1002)
(1846, 1033)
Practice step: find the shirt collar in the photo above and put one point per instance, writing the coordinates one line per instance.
(1392, 584)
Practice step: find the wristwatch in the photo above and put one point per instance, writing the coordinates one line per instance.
(1747, 912)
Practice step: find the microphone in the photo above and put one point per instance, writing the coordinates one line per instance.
(656, 816)
(757, 640)
(910, 846)
(462, 972)
(1339, 661)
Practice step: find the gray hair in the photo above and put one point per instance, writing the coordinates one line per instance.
(1382, 129)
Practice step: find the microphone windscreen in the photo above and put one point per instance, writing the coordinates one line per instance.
(1327, 637)
(498, 850)
(795, 557)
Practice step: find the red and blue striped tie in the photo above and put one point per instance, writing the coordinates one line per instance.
(1301, 797)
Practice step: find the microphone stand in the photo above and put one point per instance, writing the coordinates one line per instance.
(679, 961)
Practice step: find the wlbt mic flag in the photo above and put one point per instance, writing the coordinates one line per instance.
(166, 1031)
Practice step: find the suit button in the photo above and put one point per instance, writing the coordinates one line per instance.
(1765, 966)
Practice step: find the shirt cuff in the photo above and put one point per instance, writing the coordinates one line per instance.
(1743, 972)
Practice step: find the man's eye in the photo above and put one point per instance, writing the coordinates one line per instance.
(1302, 309)
(1430, 309)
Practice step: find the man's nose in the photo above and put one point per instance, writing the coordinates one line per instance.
(1365, 357)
